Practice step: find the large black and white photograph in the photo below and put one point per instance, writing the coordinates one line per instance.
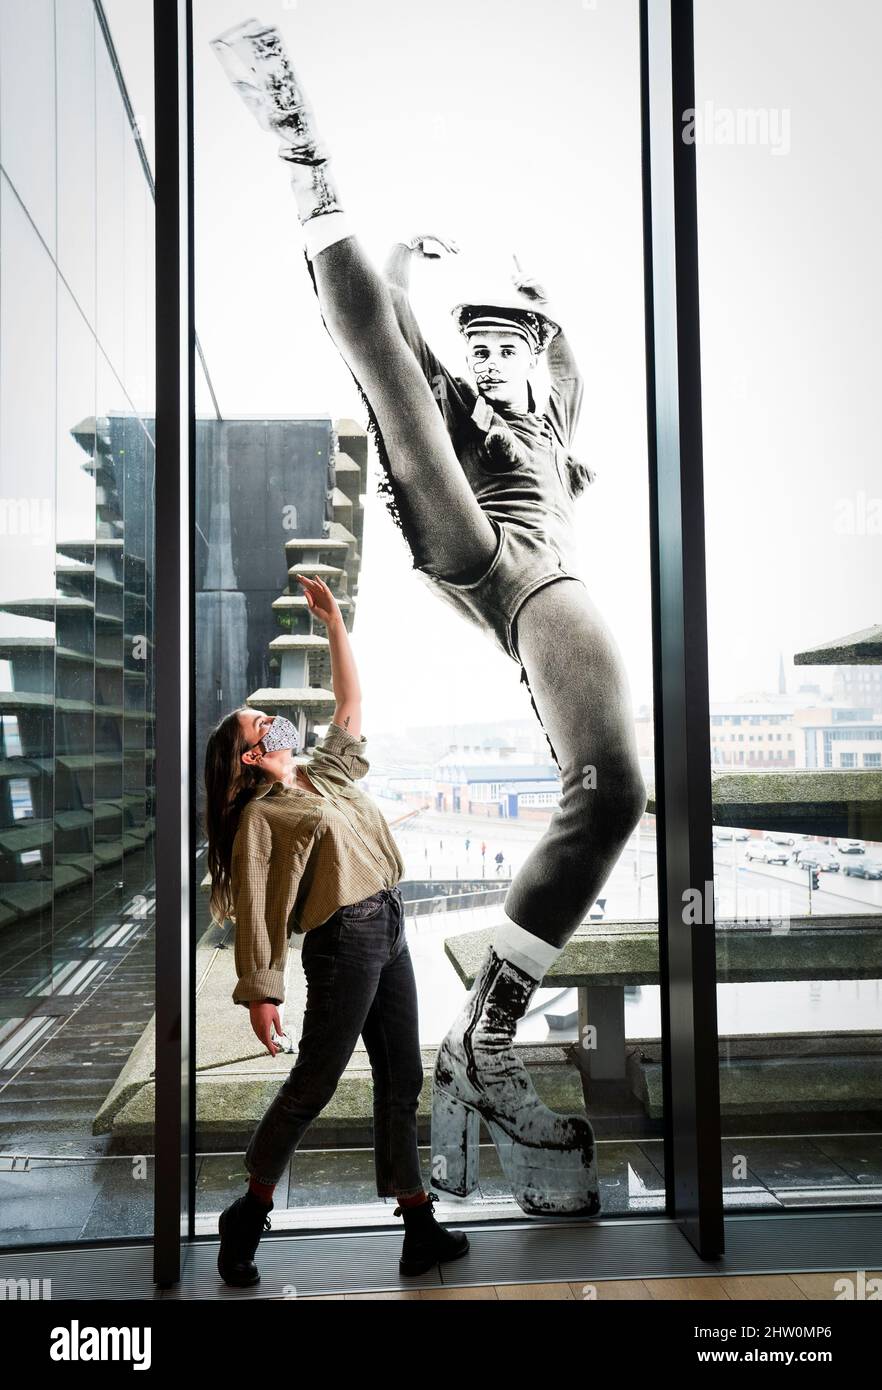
(440, 695)
(484, 487)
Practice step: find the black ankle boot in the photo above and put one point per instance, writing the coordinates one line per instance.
(241, 1225)
(427, 1243)
(548, 1159)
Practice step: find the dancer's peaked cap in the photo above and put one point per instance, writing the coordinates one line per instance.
(510, 308)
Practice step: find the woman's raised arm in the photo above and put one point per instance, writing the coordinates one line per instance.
(344, 673)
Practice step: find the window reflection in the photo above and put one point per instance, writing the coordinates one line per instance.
(111, 137)
(76, 639)
(28, 108)
(75, 41)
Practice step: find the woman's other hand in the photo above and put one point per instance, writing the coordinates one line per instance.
(320, 600)
(264, 1017)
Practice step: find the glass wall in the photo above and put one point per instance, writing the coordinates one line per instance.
(545, 167)
(790, 215)
(76, 634)
(289, 479)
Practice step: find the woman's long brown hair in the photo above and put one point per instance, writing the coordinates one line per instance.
(229, 786)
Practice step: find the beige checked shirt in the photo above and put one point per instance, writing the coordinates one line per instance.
(299, 855)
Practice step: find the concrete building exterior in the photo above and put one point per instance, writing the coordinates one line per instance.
(274, 496)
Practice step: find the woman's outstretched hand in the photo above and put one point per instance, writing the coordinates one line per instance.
(320, 600)
(431, 247)
(264, 1017)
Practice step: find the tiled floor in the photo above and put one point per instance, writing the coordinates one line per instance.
(731, 1288)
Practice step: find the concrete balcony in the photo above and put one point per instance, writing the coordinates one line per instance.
(808, 801)
(318, 704)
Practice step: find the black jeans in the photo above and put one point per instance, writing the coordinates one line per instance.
(360, 980)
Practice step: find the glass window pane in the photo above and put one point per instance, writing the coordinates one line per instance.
(790, 217)
(28, 106)
(77, 871)
(113, 134)
(75, 21)
(290, 480)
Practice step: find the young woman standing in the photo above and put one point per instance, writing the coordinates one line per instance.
(305, 840)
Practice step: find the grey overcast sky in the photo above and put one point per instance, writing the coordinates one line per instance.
(514, 126)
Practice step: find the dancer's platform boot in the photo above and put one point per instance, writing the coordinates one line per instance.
(253, 56)
(548, 1159)
(241, 1225)
(426, 1242)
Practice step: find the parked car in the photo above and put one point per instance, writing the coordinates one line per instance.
(866, 868)
(851, 847)
(809, 847)
(783, 837)
(816, 857)
(768, 852)
(723, 833)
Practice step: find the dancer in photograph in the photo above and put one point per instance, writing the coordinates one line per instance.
(305, 839)
(482, 485)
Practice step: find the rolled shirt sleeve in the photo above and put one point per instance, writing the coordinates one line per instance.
(339, 756)
(259, 958)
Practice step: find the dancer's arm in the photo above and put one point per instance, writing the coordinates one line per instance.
(567, 385)
(396, 271)
(446, 389)
(562, 364)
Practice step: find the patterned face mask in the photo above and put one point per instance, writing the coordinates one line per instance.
(280, 734)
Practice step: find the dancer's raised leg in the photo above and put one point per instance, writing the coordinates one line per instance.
(441, 518)
(444, 523)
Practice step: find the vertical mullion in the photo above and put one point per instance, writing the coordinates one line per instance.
(174, 1134)
(687, 946)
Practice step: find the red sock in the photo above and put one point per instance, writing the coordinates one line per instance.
(263, 1190)
(413, 1201)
